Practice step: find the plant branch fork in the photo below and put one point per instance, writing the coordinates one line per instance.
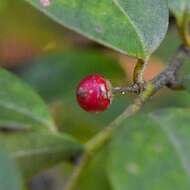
(169, 77)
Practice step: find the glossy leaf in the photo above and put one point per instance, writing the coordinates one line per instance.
(20, 106)
(10, 178)
(35, 152)
(133, 27)
(151, 152)
(180, 8)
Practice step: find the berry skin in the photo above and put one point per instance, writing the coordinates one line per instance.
(94, 93)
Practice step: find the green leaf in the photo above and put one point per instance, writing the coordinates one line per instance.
(20, 106)
(180, 9)
(10, 178)
(129, 26)
(152, 152)
(94, 176)
(185, 83)
(35, 152)
(169, 46)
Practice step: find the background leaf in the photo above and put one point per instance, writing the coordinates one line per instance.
(152, 152)
(20, 106)
(10, 178)
(180, 9)
(37, 151)
(95, 176)
(133, 27)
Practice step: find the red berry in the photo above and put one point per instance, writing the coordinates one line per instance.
(94, 93)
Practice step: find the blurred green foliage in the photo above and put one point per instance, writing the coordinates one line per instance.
(10, 178)
(147, 143)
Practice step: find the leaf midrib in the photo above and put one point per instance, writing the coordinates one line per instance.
(138, 33)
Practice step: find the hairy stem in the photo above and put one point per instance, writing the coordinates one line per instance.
(167, 78)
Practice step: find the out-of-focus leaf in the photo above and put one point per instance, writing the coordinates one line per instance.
(95, 176)
(185, 82)
(181, 9)
(152, 152)
(20, 33)
(133, 27)
(10, 178)
(36, 151)
(56, 76)
(167, 98)
(20, 106)
(169, 45)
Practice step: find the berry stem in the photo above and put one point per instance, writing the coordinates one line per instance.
(123, 90)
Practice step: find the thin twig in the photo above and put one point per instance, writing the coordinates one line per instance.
(123, 90)
(169, 77)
